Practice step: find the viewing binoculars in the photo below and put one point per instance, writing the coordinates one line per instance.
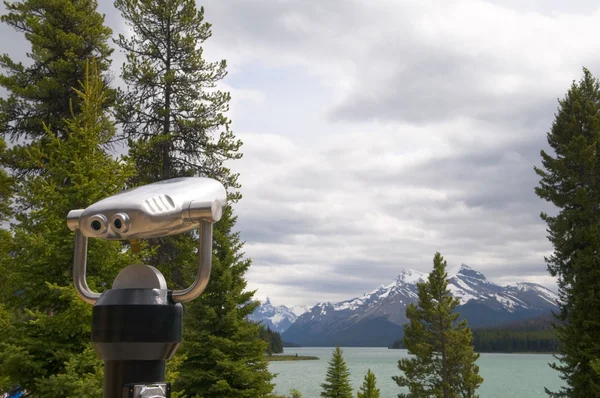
(137, 325)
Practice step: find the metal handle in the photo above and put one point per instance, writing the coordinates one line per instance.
(178, 296)
(204, 267)
(79, 265)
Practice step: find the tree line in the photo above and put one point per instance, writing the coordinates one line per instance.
(273, 340)
(508, 341)
(534, 335)
(498, 340)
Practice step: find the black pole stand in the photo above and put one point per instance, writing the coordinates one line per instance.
(136, 325)
(135, 330)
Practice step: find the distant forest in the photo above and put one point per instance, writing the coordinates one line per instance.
(532, 335)
(273, 339)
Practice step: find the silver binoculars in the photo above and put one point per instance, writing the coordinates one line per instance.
(160, 209)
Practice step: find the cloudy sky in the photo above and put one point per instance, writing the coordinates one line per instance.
(379, 132)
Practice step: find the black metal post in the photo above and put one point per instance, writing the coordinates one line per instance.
(135, 331)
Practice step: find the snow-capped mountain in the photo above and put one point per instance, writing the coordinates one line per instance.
(376, 318)
(278, 318)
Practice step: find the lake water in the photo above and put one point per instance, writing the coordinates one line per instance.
(505, 375)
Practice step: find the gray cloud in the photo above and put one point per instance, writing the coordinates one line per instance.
(377, 133)
(452, 124)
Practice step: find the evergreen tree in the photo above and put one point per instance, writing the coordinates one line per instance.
(46, 341)
(369, 388)
(46, 350)
(444, 360)
(6, 194)
(172, 113)
(569, 180)
(6, 188)
(174, 120)
(64, 35)
(225, 357)
(337, 379)
(273, 339)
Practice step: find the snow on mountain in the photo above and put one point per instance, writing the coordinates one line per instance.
(463, 282)
(468, 284)
(299, 309)
(482, 302)
(411, 276)
(277, 318)
(534, 289)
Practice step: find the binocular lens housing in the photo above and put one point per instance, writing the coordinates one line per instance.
(160, 209)
(121, 222)
(98, 223)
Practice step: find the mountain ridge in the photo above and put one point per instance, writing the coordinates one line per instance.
(379, 315)
(277, 318)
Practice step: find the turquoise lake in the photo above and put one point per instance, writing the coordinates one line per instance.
(505, 375)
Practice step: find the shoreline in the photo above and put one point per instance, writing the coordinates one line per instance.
(503, 352)
(286, 357)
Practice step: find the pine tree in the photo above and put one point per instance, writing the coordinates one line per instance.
(6, 188)
(64, 35)
(569, 180)
(174, 120)
(337, 379)
(224, 356)
(444, 360)
(47, 351)
(39, 112)
(6, 194)
(172, 113)
(369, 388)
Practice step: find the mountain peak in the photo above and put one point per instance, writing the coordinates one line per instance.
(277, 318)
(459, 269)
(411, 276)
(464, 271)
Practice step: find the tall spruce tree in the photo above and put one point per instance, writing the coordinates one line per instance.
(6, 194)
(369, 387)
(46, 350)
(172, 112)
(173, 117)
(444, 360)
(570, 180)
(64, 35)
(337, 379)
(224, 356)
(45, 346)
(6, 188)
(6, 317)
